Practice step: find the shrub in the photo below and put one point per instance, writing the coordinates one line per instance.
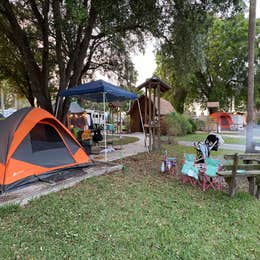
(200, 125)
(178, 124)
(193, 125)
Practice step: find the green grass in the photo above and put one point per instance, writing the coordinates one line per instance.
(202, 136)
(138, 214)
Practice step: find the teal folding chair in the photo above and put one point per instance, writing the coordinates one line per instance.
(210, 177)
(189, 171)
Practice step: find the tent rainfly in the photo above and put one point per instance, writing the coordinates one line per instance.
(223, 119)
(33, 142)
(100, 91)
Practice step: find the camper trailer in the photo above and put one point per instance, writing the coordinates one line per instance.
(97, 116)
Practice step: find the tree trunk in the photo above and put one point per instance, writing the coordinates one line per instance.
(250, 91)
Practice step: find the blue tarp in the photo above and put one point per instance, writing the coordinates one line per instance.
(94, 91)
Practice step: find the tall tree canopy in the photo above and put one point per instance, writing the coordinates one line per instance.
(204, 56)
(51, 42)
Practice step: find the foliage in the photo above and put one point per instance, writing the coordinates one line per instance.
(178, 124)
(200, 124)
(137, 213)
(61, 43)
(189, 62)
(193, 124)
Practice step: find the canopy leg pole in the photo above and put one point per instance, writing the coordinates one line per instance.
(140, 114)
(105, 126)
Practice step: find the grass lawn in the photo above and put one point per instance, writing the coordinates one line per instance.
(202, 136)
(137, 213)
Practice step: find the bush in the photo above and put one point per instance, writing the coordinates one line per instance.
(193, 125)
(200, 125)
(178, 124)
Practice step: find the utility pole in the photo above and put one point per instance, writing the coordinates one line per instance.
(251, 71)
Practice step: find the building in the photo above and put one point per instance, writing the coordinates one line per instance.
(135, 121)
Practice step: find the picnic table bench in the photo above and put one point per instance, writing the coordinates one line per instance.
(243, 165)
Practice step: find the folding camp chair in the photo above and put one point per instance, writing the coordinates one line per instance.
(168, 164)
(210, 179)
(189, 171)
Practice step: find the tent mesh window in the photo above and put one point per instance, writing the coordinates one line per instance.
(44, 147)
(73, 146)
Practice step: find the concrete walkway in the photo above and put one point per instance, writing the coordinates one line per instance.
(125, 150)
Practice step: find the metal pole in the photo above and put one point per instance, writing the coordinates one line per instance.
(105, 126)
(139, 108)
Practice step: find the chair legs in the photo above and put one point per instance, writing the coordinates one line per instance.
(208, 182)
(170, 166)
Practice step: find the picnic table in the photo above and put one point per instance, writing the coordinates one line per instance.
(242, 165)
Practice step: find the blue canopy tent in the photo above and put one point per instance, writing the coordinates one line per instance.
(101, 91)
(95, 91)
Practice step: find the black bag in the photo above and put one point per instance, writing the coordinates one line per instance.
(97, 137)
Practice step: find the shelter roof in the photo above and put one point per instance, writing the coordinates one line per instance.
(154, 82)
(165, 106)
(94, 91)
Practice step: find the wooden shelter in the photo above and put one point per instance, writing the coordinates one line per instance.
(153, 88)
(135, 120)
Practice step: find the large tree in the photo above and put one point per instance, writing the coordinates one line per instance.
(189, 54)
(61, 42)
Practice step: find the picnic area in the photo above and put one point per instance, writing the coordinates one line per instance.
(133, 213)
(129, 129)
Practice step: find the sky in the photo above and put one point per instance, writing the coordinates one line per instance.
(145, 63)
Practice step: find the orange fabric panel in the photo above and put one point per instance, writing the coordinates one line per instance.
(81, 157)
(2, 171)
(17, 170)
(33, 117)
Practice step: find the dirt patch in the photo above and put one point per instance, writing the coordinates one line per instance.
(146, 164)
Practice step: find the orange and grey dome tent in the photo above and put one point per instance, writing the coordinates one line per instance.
(223, 119)
(32, 143)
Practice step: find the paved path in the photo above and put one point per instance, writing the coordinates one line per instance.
(126, 150)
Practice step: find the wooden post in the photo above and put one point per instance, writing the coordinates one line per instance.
(251, 180)
(159, 116)
(153, 119)
(232, 184)
(150, 118)
(258, 187)
(252, 184)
